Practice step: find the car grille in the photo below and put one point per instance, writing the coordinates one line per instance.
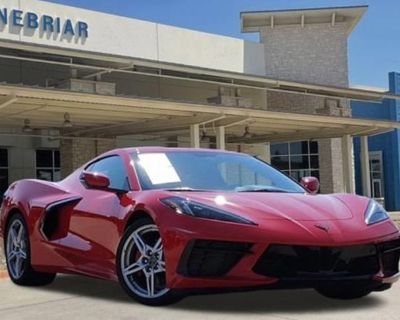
(208, 258)
(313, 262)
(390, 254)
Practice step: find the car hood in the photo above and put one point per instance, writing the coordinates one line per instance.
(287, 206)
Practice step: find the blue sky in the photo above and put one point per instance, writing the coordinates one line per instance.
(374, 46)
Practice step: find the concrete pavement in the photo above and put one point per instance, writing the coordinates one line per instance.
(73, 297)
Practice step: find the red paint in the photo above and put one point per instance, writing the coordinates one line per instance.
(95, 180)
(311, 184)
(87, 238)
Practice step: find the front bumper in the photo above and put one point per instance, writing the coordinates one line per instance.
(212, 255)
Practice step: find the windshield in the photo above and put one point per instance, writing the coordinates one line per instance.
(209, 171)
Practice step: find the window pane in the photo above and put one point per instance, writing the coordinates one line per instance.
(44, 174)
(282, 163)
(313, 147)
(295, 175)
(234, 174)
(376, 175)
(57, 175)
(279, 149)
(315, 173)
(314, 162)
(3, 180)
(113, 168)
(375, 165)
(302, 173)
(299, 147)
(218, 171)
(57, 159)
(44, 158)
(3, 158)
(299, 162)
(377, 189)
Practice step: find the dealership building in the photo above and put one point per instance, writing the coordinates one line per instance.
(75, 83)
(384, 149)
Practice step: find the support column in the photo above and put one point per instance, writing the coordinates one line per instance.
(348, 168)
(220, 138)
(365, 170)
(75, 152)
(195, 136)
(331, 165)
(267, 153)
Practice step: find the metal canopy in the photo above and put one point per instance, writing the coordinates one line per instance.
(97, 116)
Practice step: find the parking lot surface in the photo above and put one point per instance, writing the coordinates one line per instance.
(73, 297)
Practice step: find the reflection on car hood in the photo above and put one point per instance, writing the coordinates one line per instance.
(290, 206)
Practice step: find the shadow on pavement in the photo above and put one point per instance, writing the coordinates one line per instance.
(289, 301)
(87, 287)
(245, 302)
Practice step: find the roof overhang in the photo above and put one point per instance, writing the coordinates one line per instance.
(97, 116)
(93, 64)
(252, 21)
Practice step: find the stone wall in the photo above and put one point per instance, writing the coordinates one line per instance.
(315, 53)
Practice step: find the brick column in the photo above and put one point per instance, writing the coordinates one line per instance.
(76, 152)
(331, 165)
(314, 53)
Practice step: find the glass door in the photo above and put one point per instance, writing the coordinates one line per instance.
(377, 180)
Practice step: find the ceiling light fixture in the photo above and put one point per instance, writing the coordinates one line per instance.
(203, 135)
(27, 126)
(247, 134)
(67, 120)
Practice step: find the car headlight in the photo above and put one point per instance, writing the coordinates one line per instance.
(199, 210)
(375, 213)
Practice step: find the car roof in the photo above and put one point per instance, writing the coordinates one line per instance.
(166, 149)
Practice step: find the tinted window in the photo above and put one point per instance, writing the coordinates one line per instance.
(297, 159)
(44, 158)
(3, 158)
(48, 165)
(114, 169)
(3, 170)
(208, 171)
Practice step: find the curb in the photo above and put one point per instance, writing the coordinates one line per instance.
(3, 275)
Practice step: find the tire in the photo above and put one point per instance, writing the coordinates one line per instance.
(344, 292)
(141, 266)
(18, 255)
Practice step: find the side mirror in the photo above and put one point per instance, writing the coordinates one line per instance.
(311, 184)
(95, 180)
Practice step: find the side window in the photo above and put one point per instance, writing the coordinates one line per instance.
(114, 168)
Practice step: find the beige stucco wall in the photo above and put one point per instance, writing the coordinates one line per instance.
(129, 37)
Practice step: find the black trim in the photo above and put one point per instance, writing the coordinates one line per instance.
(313, 263)
(211, 258)
(50, 219)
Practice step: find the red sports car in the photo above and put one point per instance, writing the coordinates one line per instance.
(167, 222)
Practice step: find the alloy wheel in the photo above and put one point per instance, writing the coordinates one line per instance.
(16, 250)
(142, 262)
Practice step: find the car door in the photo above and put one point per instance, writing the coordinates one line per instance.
(95, 220)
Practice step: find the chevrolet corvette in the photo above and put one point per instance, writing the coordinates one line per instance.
(168, 222)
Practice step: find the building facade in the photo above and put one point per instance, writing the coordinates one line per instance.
(384, 149)
(75, 83)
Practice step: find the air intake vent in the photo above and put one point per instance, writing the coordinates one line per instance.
(208, 258)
